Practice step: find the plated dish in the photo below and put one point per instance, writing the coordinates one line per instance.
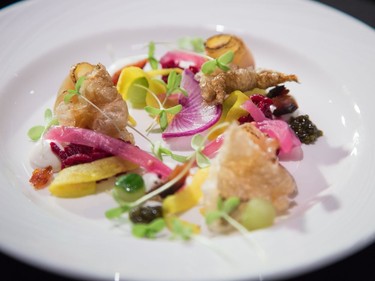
(323, 196)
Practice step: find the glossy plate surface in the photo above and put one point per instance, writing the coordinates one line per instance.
(331, 53)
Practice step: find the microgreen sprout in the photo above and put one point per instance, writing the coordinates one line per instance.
(173, 84)
(36, 132)
(188, 43)
(161, 113)
(159, 151)
(224, 208)
(149, 230)
(221, 62)
(181, 230)
(151, 56)
(197, 143)
(76, 90)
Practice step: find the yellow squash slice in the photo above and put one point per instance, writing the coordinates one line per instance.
(80, 180)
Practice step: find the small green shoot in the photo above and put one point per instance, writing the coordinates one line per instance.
(151, 56)
(224, 208)
(173, 86)
(197, 143)
(180, 230)
(161, 113)
(76, 90)
(149, 230)
(221, 62)
(195, 44)
(36, 132)
(159, 151)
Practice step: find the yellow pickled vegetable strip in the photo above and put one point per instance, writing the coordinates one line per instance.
(187, 197)
(127, 83)
(94, 171)
(133, 83)
(163, 71)
(132, 121)
(236, 111)
(73, 190)
(232, 110)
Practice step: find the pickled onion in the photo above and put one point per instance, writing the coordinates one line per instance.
(108, 144)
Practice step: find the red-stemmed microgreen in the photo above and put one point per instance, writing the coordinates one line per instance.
(221, 62)
(36, 132)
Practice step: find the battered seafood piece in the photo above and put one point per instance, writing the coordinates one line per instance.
(98, 88)
(247, 167)
(216, 87)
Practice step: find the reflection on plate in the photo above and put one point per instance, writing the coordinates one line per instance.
(330, 218)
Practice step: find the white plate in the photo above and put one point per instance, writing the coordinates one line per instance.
(333, 56)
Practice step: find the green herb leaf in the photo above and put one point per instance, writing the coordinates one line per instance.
(179, 158)
(173, 83)
(226, 58)
(118, 211)
(151, 49)
(209, 66)
(221, 62)
(230, 204)
(157, 225)
(151, 56)
(53, 122)
(68, 97)
(202, 160)
(212, 216)
(181, 230)
(197, 142)
(174, 110)
(35, 132)
(150, 230)
(223, 66)
(163, 120)
(48, 115)
(139, 230)
(152, 110)
(220, 203)
(198, 45)
(188, 43)
(153, 63)
(79, 83)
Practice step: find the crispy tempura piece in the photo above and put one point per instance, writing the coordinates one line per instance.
(98, 88)
(216, 87)
(247, 170)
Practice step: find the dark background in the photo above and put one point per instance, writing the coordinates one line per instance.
(359, 266)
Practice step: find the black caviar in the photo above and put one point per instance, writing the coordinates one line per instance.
(145, 214)
(305, 129)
